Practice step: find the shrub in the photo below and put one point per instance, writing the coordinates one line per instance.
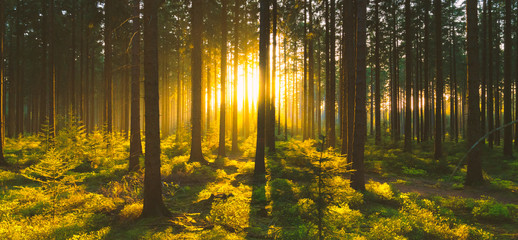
(232, 212)
(489, 209)
(381, 190)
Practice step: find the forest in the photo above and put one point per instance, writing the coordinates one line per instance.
(258, 119)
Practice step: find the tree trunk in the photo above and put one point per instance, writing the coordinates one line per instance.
(264, 31)
(408, 76)
(350, 57)
(439, 80)
(360, 116)
(135, 141)
(236, 65)
(474, 172)
(3, 162)
(153, 203)
(426, 67)
(332, 79)
(508, 131)
(108, 88)
(490, 103)
(377, 94)
(52, 72)
(270, 128)
(196, 68)
(222, 110)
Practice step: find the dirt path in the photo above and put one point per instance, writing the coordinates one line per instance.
(430, 188)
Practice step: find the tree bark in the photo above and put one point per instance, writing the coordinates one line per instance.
(235, 148)
(408, 76)
(108, 88)
(3, 162)
(377, 94)
(490, 102)
(264, 31)
(360, 117)
(196, 68)
(439, 80)
(135, 141)
(153, 203)
(222, 109)
(508, 131)
(474, 172)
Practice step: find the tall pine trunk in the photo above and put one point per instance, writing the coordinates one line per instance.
(408, 76)
(223, 97)
(360, 116)
(439, 80)
(135, 141)
(264, 32)
(508, 131)
(153, 203)
(236, 65)
(377, 85)
(196, 69)
(474, 172)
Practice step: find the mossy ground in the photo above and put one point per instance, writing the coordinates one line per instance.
(101, 200)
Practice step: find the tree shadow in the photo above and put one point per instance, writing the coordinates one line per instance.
(258, 218)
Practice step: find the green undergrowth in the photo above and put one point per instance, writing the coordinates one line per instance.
(77, 187)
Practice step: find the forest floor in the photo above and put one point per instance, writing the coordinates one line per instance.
(87, 193)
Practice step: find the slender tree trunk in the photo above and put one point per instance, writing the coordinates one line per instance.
(246, 110)
(474, 172)
(108, 66)
(222, 110)
(196, 68)
(135, 141)
(516, 86)
(236, 65)
(484, 68)
(52, 72)
(490, 103)
(286, 85)
(153, 203)
(377, 94)
(426, 67)
(3, 162)
(360, 117)
(439, 80)
(264, 32)
(304, 105)
(508, 131)
(350, 57)
(270, 128)
(408, 76)
(332, 79)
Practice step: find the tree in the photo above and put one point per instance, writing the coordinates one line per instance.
(236, 65)
(408, 76)
(108, 88)
(153, 203)
(264, 32)
(52, 72)
(474, 172)
(135, 141)
(490, 103)
(438, 79)
(196, 63)
(426, 127)
(2, 119)
(331, 84)
(222, 109)
(508, 131)
(377, 94)
(360, 116)
(270, 86)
